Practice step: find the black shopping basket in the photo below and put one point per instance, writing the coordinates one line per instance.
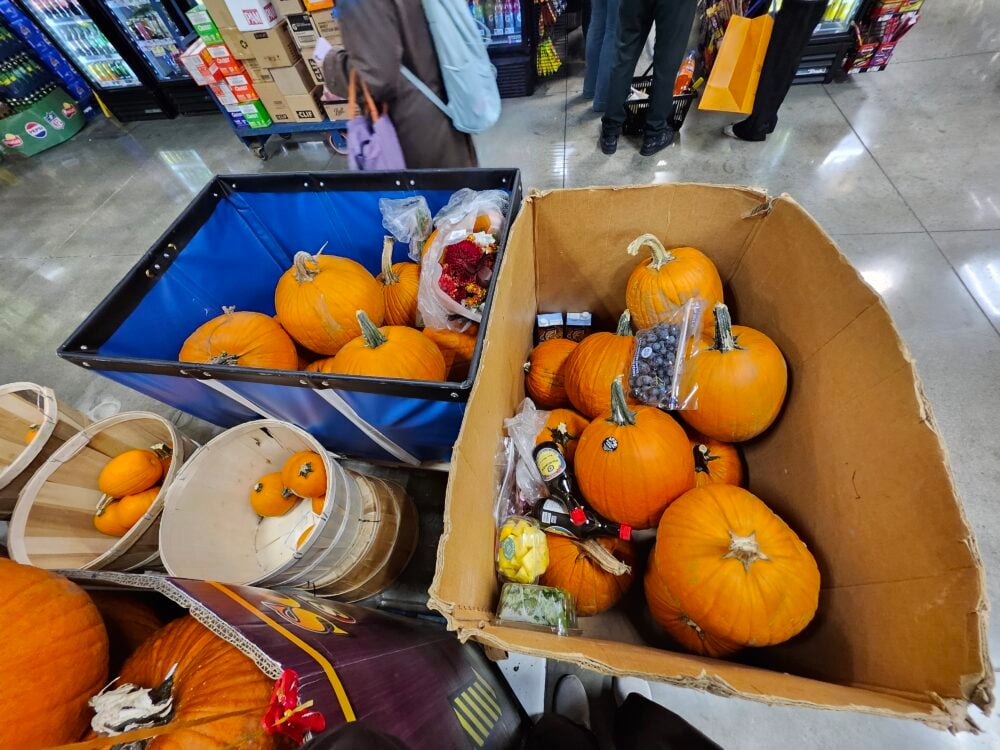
(636, 109)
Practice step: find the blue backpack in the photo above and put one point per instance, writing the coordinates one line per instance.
(469, 77)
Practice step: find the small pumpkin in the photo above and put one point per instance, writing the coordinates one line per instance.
(737, 569)
(667, 611)
(630, 465)
(596, 362)
(133, 507)
(388, 352)
(668, 279)
(240, 339)
(107, 520)
(564, 427)
(593, 588)
(130, 472)
(400, 282)
(269, 496)
(303, 536)
(30, 435)
(305, 474)
(54, 657)
(316, 300)
(741, 381)
(715, 462)
(317, 504)
(457, 349)
(166, 455)
(545, 373)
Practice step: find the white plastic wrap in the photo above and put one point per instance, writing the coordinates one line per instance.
(408, 220)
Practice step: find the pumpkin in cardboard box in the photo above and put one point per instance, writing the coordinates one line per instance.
(573, 569)
(545, 373)
(595, 363)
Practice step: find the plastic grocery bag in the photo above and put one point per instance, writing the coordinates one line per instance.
(660, 355)
(408, 220)
(491, 204)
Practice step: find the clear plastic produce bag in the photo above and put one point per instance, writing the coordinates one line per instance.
(408, 220)
(522, 430)
(491, 204)
(660, 355)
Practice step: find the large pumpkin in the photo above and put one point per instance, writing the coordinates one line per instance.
(241, 339)
(715, 462)
(388, 352)
(54, 657)
(317, 300)
(545, 373)
(668, 279)
(457, 349)
(400, 282)
(630, 465)
(130, 472)
(212, 678)
(740, 380)
(595, 363)
(563, 427)
(129, 621)
(737, 569)
(593, 588)
(667, 611)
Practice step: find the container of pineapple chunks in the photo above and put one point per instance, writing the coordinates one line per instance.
(522, 550)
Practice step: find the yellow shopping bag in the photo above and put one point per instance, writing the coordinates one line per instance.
(732, 84)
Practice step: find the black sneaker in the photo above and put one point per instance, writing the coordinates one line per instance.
(655, 142)
(608, 142)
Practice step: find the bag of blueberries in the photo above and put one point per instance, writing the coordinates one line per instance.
(660, 354)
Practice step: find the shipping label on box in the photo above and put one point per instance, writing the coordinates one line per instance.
(328, 27)
(288, 7)
(275, 102)
(273, 48)
(256, 114)
(303, 30)
(305, 107)
(335, 110)
(242, 88)
(294, 80)
(236, 41)
(222, 56)
(258, 73)
(224, 94)
(204, 25)
(253, 15)
(219, 13)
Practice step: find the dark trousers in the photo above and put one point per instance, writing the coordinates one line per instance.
(640, 724)
(793, 26)
(673, 25)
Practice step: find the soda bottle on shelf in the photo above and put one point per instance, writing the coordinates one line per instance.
(516, 10)
(508, 15)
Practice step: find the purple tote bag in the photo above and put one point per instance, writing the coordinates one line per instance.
(372, 143)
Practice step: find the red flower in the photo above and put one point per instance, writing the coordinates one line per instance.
(451, 287)
(284, 714)
(463, 258)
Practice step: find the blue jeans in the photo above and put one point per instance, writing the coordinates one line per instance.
(600, 51)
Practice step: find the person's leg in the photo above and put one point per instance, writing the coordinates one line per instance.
(641, 724)
(634, 20)
(567, 727)
(673, 27)
(607, 57)
(793, 27)
(592, 49)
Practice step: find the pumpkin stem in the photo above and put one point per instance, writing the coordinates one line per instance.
(162, 450)
(724, 339)
(624, 324)
(745, 549)
(388, 275)
(702, 456)
(660, 255)
(228, 309)
(373, 337)
(103, 504)
(225, 358)
(306, 265)
(621, 415)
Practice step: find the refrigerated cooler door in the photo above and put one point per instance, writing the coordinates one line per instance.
(79, 38)
(837, 18)
(148, 26)
(502, 19)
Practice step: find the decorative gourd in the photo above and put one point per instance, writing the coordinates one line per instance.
(29, 436)
(318, 296)
(667, 611)
(741, 380)
(130, 472)
(54, 657)
(715, 462)
(668, 279)
(564, 426)
(132, 507)
(456, 348)
(304, 474)
(129, 621)
(400, 282)
(572, 569)
(212, 678)
(107, 521)
(737, 569)
(269, 496)
(630, 465)
(388, 352)
(545, 373)
(596, 362)
(240, 339)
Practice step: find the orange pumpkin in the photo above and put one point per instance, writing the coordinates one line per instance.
(564, 427)
(109, 522)
(630, 465)
(133, 507)
(317, 299)
(545, 373)
(166, 455)
(269, 496)
(737, 569)
(596, 362)
(456, 348)
(303, 536)
(668, 279)
(212, 678)
(667, 611)
(305, 474)
(29, 436)
(130, 472)
(593, 588)
(388, 352)
(240, 339)
(715, 462)
(400, 282)
(741, 380)
(317, 504)
(54, 657)
(129, 621)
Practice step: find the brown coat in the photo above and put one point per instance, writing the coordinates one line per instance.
(380, 36)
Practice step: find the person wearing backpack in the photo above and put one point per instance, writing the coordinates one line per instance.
(380, 38)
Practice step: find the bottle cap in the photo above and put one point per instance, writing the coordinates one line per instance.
(625, 532)
(578, 516)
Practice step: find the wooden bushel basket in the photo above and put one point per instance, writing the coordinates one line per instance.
(22, 407)
(53, 522)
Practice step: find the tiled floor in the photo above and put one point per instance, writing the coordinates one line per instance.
(902, 167)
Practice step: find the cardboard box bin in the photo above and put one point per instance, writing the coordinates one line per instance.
(273, 48)
(901, 625)
(253, 15)
(294, 80)
(306, 107)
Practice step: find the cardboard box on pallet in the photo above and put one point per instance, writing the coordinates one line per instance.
(294, 80)
(273, 48)
(253, 15)
(314, 68)
(236, 41)
(303, 31)
(900, 631)
(288, 7)
(327, 27)
(258, 73)
(202, 73)
(335, 110)
(306, 107)
(315, 5)
(219, 12)
(274, 102)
